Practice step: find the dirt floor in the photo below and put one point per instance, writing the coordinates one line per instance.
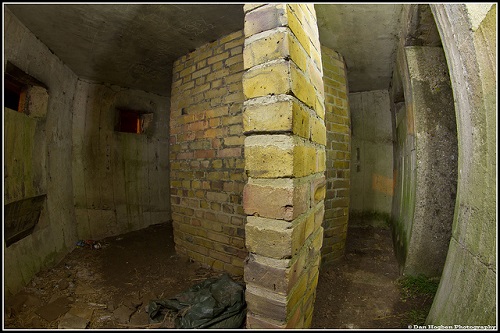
(111, 287)
(363, 290)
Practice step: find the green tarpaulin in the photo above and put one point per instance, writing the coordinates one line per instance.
(213, 303)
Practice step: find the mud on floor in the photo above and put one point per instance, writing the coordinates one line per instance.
(362, 290)
(110, 287)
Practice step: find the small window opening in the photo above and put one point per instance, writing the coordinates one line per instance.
(22, 91)
(132, 121)
(129, 121)
(14, 94)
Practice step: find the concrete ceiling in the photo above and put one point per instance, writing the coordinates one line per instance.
(135, 45)
(367, 36)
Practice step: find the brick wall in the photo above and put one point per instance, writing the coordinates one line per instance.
(338, 155)
(207, 154)
(285, 162)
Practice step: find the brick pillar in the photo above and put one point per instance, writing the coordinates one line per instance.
(338, 156)
(285, 161)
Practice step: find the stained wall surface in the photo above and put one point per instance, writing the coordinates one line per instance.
(46, 158)
(120, 179)
(427, 163)
(371, 159)
(467, 292)
(97, 182)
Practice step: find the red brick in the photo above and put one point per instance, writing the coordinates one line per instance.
(207, 153)
(229, 152)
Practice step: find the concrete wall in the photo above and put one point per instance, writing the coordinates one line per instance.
(120, 180)
(338, 155)
(285, 161)
(371, 159)
(467, 291)
(426, 162)
(51, 149)
(97, 182)
(206, 154)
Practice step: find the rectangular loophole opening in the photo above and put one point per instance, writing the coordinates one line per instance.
(132, 121)
(24, 93)
(129, 121)
(14, 94)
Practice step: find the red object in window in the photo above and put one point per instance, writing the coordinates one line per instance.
(15, 94)
(130, 122)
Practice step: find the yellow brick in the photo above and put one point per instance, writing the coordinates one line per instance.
(233, 60)
(318, 131)
(237, 77)
(201, 64)
(265, 18)
(233, 269)
(268, 237)
(301, 121)
(316, 57)
(266, 80)
(269, 161)
(234, 44)
(203, 54)
(216, 264)
(231, 120)
(218, 74)
(320, 160)
(234, 141)
(340, 129)
(341, 164)
(217, 164)
(304, 160)
(217, 66)
(295, 318)
(175, 183)
(216, 83)
(231, 36)
(298, 30)
(339, 78)
(316, 78)
(302, 88)
(310, 223)
(297, 53)
(329, 65)
(187, 71)
(217, 58)
(270, 47)
(298, 292)
(201, 88)
(320, 107)
(299, 230)
(272, 116)
(297, 10)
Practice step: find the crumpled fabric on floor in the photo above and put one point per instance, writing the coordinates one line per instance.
(213, 303)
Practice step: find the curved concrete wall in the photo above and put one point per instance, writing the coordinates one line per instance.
(467, 291)
(426, 163)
